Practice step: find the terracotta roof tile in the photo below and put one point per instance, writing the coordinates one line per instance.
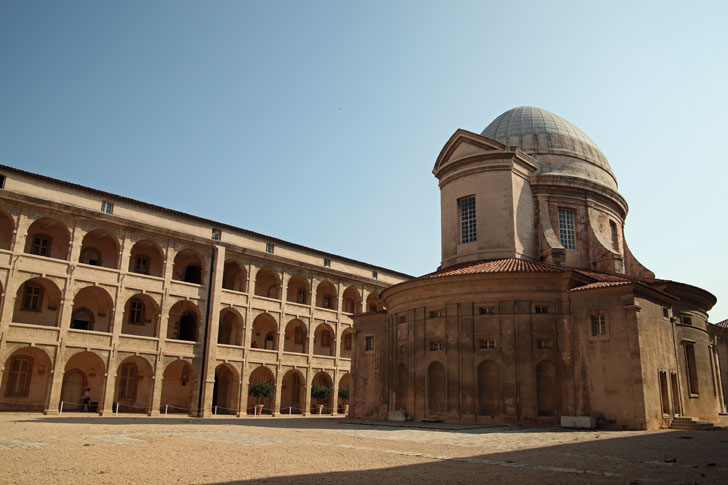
(601, 284)
(510, 265)
(723, 324)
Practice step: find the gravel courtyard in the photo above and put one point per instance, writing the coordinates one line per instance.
(98, 450)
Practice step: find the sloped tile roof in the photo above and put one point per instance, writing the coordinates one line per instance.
(601, 284)
(509, 265)
(722, 324)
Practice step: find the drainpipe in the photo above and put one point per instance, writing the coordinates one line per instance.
(203, 373)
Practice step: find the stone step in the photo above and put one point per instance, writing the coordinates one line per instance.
(691, 423)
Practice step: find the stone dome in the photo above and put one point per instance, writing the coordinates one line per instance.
(554, 141)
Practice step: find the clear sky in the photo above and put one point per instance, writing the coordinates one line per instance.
(319, 122)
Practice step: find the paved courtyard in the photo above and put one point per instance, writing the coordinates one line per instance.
(92, 449)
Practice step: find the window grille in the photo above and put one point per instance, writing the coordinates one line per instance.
(468, 231)
(567, 233)
(599, 325)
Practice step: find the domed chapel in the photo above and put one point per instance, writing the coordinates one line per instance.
(538, 309)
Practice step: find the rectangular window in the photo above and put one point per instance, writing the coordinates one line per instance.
(664, 395)
(298, 335)
(436, 313)
(691, 369)
(567, 233)
(141, 265)
(368, 343)
(301, 297)
(32, 298)
(541, 309)
(325, 339)
(615, 235)
(468, 232)
(2, 181)
(435, 345)
(599, 325)
(136, 312)
(486, 344)
(686, 319)
(107, 207)
(326, 302)
(544, 343)
(486, 310)
(41, 245)
(347, 341)
(375, 275)
(21, 369)
(269, 248)
(127, 386)
(327, 263)
(216, 234)
(665, 312)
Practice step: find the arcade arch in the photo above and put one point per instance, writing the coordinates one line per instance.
(141, 316)
(178, 384)
(323, 340)
(298, 290)
(260, 374)
(225, 390)
(351, 300)
(322, 379)
(100, 248)
(267, 283)
(265, 332)
(146, 258)
(234, 276)
(133, 387)
(84, 370)
(296, 337)
(184, 321)
(48, 237)
(25, 380)
(188, 267)
(7, 230)
(38, 302)
(230, 329)
(326, 295)
(92, 310)
(293, 392)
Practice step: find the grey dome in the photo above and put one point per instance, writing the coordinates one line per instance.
(537, 131)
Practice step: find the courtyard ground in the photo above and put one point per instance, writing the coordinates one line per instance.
(98, 450)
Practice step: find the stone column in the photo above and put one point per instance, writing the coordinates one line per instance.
(279, 389)
(335, 394)
(158, 382)
(307, 397)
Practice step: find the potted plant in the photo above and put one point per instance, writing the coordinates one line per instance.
(261, 390)
(321, 394)
(344, 396)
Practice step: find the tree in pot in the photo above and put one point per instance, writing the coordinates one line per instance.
(321, 394)
(261, 390)
(344, 396)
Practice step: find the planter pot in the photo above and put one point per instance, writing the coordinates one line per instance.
(258, 409)
(317, 409)
(344, 409)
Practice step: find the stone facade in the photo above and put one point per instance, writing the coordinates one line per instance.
(539, 309)
(157, 311)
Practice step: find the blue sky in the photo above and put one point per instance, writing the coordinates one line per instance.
(320, 122)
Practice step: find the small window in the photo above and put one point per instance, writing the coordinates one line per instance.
(614, 234)
(686, 319)
(327, 263)
(567, 233)
(216, 234)
(402, 348)
(326, 302)
(665, 312)
(301, 297)
(486, 344)
(2, 181)
(369, 343)
(107, 207)
(375, 275)
(32, 298)
(541, 309)
(41, 245)
(402, 318)
(136, 312)
(486, 310)
(435, 345)
(599, 325)
(544, 343)
(141, 264)
(269, 248)
(298, 335)
(325, 339)
(347, 341)
(21, 370)
(436, 313)
(468, 226)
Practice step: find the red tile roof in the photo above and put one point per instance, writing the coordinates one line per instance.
(723, 324)
(601, 284)
(510, 265)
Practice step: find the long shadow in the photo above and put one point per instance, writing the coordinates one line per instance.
(663, 457)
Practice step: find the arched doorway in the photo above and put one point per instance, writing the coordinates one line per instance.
(321, 382)
(224, 394)
(133, 385)
(84, 370)
(546, 390)
(488, 388)
(436, 390)
(178, 384)
(293, 393)
(260, 374)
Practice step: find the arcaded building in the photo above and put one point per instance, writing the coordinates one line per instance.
(157, 311)
(538, 310)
